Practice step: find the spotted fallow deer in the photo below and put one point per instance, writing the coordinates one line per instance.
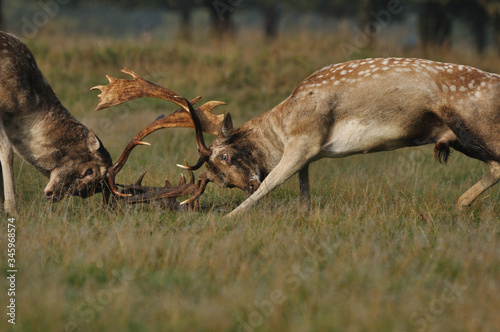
(360, 106)
(40, 129)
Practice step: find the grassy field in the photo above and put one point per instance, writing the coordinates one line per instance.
(382, 250)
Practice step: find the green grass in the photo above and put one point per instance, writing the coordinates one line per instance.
(382, 250)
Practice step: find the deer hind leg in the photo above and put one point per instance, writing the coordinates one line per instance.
(486, 182)
(6, 162)
(305, 196)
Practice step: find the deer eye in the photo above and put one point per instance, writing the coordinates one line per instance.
(88, 172)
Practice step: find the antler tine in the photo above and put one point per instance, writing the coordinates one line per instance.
(201, 185)
(196, 166)
(203, 151)
(139, 180)
(117, 166)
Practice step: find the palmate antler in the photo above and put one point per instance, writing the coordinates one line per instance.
(123, 90)
(202, 120)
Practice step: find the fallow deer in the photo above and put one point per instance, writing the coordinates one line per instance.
(360, 106)
(40, 129)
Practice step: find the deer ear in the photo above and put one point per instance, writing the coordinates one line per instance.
(93, 142)
(227, 126)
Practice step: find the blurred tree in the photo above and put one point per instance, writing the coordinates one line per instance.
(185, 8)
(434, 24)
(493, 9)
(221, 16)
(496, 29)
(371, 16)
(435, 19)
(476, 16)
(335, 8)
(271, 11)
(434, 16)
(3, 26)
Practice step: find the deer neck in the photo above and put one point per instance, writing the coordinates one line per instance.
(44, 137)
(264, 134)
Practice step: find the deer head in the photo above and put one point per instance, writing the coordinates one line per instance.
(80, 171)
(233, 159)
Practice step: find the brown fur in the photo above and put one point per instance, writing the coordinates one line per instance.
(442, 151)
(42, 131)
(365, 106)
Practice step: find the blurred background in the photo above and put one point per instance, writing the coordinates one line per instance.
(423, 24)
(397, 241)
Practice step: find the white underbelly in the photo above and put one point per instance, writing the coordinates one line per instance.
(352, 137)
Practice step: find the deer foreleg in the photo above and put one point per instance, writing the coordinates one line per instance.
(7, 161)
(305, 196)
(291, 162)
(482, 185)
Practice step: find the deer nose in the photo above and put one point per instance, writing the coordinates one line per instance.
(49, 194)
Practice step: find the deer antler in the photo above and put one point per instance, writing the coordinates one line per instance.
(143, 194)
(137, 193)
(202, 120)
(123, 90)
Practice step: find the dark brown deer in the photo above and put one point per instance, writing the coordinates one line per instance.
(40, 129)
(360, 106)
